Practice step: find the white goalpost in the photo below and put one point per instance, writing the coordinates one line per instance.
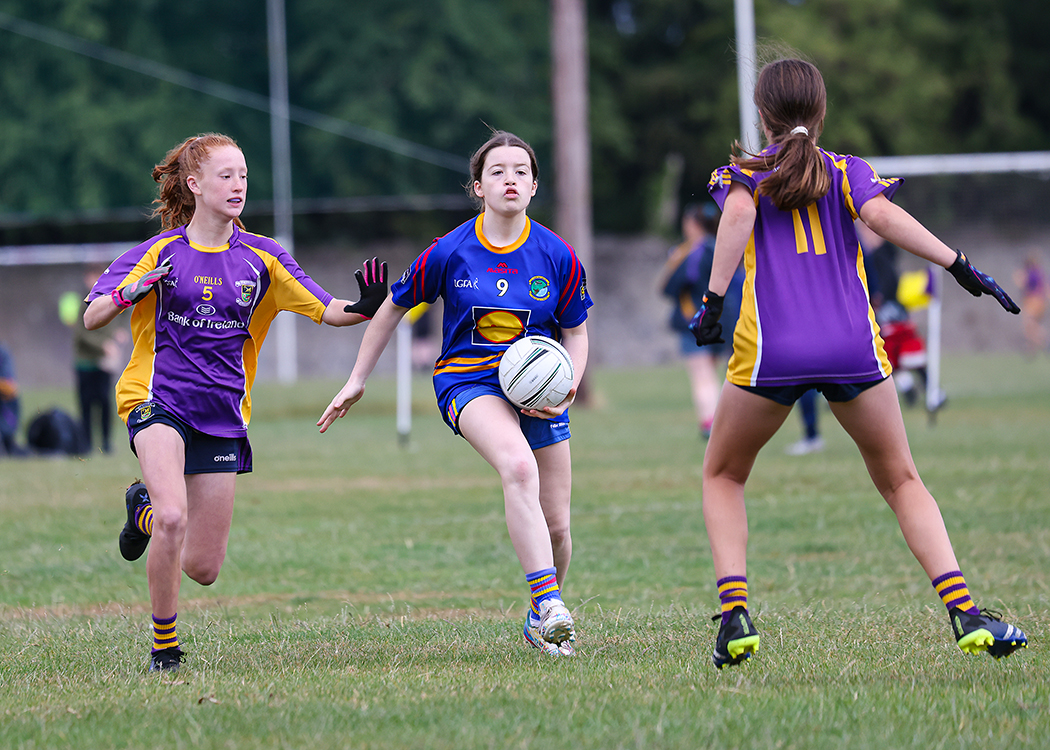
(1032, 162)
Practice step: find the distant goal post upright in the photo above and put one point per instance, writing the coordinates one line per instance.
(1018, 162)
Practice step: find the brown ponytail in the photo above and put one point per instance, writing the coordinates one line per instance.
(792, 100)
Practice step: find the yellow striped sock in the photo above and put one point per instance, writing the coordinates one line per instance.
(951, 587)
(732, 592)
(164, 635)
(144, 519)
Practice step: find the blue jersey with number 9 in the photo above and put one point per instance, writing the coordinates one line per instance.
(493, 296)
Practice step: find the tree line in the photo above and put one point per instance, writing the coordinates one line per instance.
(81, 127)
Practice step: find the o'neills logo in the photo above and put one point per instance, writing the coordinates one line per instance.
(502, 267)
(228, 457)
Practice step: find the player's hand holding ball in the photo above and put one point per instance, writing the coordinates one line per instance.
(977, 283)
(705, 325)
(536, 374)
(552, 412)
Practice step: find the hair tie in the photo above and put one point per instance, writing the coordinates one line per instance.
(800, 129)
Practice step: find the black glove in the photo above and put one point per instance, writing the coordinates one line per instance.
(372, 284)
(127, 296)
(705, 325)
(977, 283)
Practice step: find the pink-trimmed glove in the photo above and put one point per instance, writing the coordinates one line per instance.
(128, 295)
(373, 286)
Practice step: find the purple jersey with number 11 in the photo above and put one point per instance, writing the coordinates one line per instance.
(805, 315)
(197, 334)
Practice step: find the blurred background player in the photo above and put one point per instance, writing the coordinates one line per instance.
(1032, 282)
(894, 296)
(811, 441)
(204, 293)
(806, 322)
(96, 357)
(684, 278)
(501, 276)
(10, 404)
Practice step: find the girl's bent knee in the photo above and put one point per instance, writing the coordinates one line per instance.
(171, 523)
(205, 572)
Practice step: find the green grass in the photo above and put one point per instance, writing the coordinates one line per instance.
(371, 598)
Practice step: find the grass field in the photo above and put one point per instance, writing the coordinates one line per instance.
(371, 598)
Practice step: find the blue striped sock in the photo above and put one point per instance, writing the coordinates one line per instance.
(544, 585)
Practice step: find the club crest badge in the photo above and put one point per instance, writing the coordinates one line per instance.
(246, 291)
(539, 288)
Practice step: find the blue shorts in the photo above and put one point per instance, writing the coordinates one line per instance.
(789, 394)
(205, 454)
(538, 432)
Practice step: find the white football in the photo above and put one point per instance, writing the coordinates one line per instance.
(535, 372)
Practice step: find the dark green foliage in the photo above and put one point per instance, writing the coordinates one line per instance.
(80, 134)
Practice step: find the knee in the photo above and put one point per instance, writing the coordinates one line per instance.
(560, 536)
(520, 471)
(895, 483)
(204, 572)
(170, 523)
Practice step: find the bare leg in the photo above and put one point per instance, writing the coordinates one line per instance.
(491, 426)
(744, 422)
(162, 457)
(191, 517)
(555, 466)
(874, 421)
(210, 513)
(705, 385)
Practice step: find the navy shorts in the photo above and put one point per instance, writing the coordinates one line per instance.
(205, 454)
(538, 432)
(789, 394)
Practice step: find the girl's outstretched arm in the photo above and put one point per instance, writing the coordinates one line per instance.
(893, 223)
(376, 337)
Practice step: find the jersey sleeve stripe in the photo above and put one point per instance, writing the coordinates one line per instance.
(572, 287)
(419, 289)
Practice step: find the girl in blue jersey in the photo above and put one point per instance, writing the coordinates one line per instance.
(501, 276)
(204, 293)
(684, 280)
(806, 322)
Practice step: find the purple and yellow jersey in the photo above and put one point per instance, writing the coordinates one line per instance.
(197, 334)
(494, 296)
(805, 315)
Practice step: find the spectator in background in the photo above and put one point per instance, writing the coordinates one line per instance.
(96, 356)
(892, 299)
(811, 441)
(10, 405)
(684, 279)
(1032, 281)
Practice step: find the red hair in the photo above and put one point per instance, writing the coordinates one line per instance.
(176, 202)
